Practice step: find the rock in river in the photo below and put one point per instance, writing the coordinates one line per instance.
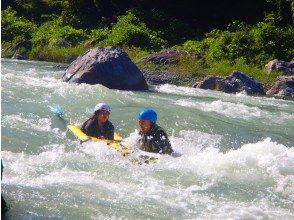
(109, 66)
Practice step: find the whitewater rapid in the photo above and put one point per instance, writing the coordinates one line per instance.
(237, 152)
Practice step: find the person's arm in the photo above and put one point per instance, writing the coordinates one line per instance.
(88, 128)
(83, 127)
(110, 132)
(161, 142)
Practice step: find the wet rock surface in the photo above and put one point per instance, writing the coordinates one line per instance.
(109, 66)
(234, 83)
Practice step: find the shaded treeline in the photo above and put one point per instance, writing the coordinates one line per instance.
(199, 15)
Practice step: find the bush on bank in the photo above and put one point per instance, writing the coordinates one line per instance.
(54, 42)
(14, 27)
(255, 44)
(52, 39)
(130, 31)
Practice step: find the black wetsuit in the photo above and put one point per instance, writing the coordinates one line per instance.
(91, 128)
(155, 141)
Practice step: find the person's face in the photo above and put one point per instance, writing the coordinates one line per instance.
(103, 116)
(145, 126)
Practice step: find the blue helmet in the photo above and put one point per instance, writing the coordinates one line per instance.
(148, 114)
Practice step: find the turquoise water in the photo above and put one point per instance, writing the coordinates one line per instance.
(237, 152)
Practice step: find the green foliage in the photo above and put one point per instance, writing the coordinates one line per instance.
(255, 45)
(195, 46)
(5, 52)
(171, 29)
(135, 53)
(99, 34)
(40, 11)
(129, 30)
(271, 42)
(282, 11)
(176, 32)
(82, 13)
(292, 10)
(56, 54)
(188, 71)
(26, 5)
(61, 4)
(225, 67)
(53, 33)
(54, 42)
(15, 27)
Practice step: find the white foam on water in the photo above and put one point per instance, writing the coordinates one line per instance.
(180, 90)
(99, 150)
(246, 99)
(19, 122)
(31, 79)
(192, 142)
(264, 164)
(237, 110)
(50, 167)
(228, 109)
(245, 211)
(75, 90)
(32, 72)
(242, 94)
(201, 168)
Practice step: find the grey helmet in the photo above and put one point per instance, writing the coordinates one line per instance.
(102, 106)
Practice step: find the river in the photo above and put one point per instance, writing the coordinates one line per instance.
(237, 152)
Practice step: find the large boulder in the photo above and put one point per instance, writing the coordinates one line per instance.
(209, 82)
(234, 83)
(285, 67)
(109, 66)
(284, 87)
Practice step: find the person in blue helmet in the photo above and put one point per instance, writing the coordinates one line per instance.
(153, 138)
(98, 125)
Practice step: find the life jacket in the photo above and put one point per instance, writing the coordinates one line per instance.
(155, 141)
(91, 128)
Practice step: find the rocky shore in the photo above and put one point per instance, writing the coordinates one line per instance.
(234, 83)
(112, 67)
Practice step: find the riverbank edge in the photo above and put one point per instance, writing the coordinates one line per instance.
(158, 75)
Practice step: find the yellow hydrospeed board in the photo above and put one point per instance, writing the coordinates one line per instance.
(113, 144)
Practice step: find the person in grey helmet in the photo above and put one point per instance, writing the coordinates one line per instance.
(98, 125)
(152, 137)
